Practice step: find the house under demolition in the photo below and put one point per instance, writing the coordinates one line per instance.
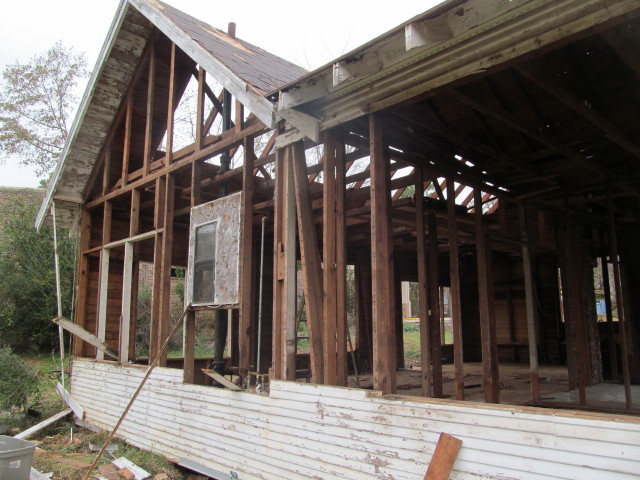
(487, 151)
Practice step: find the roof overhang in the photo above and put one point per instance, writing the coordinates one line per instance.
(453, 41)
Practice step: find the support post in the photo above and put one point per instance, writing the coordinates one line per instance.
(384, 373)
(341, 266)
(532, 320)
(167, 250)
(454, 275)
(606, 285)
(434, 305)
(310, 256)
(157, 267)
(423, 290)
(83, 280)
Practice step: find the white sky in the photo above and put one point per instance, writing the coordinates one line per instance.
(306, 36)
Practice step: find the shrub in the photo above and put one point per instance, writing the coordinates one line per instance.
(19, 384)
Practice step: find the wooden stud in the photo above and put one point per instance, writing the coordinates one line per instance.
(278, 270)
(103, 288)
(341, 266)
(454, 275)
(189, 346)
(487, 320)
(200, 108)
(622, 320)
(247, 269)
(106, 173)
(423, 291)
(126, 153)
(384, 374)
(290, 281)
(167, 250)
(329, 322)
(434, 305)
(171, 108)
(310, 258)
(148, 131)
(154, 326)
(83, 279)
(606, 284)
(125, 316)
(532, 320)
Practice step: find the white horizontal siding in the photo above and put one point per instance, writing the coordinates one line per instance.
(309, 431)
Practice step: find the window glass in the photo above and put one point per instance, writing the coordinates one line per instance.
(204, 264)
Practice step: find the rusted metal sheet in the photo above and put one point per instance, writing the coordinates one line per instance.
(311, 431)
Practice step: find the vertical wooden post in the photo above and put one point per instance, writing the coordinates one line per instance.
(103, 285)
(83, 280)
(290, 274)
(423, 290)
(329, 277)
(247, 269)
(106, 172)
(487, 320)
(365, 287)
(200, 108)
(159, 210)
(434, 305)
(384, 373)
(532, 320)
(148, 131)
(126, 153)
(341, 266)
(454, 274)
(622, 321)
(167, 250)
(606, 284)
(189, 346)
(171, 108)
(125, 316)
(278, 268)
(310, 257)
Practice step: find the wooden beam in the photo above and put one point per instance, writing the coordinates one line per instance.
(491, 381)
(157, 267)
(444, 457)
(148, 131)
(290, 281)
(329, 322)
(278, 268)
(170, 108)
(167, 251)
(423, 289)
(532, 313)
(247, 269)
(454, 275)
(310, 258)
(434, 305)
(189, 347)
(200, 107)
(384, 374)
(221, 380)
(103, 275)
(45, 423)
(83, 279)
(126, 153)
(125, 315)
(341, 265)
(606, 285)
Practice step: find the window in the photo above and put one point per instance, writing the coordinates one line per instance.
(204, 263)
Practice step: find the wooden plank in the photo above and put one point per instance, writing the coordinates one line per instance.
(45, 423)
(158, 219)
(134, 239)
(71, 402)
(341, 266)
(434, 305)
(103, 286)
(247, 269)
(441, 464)
(487, 320)
(606, 286)
(221, 380)
(106, 172)
(88, 337)
(310, 259)
(454, 275)
(532, 320)
(134, 216)
(384, 374)
(329, 277)
(423, 287)
(148, 131)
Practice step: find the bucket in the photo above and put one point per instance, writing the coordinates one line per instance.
(15, 458)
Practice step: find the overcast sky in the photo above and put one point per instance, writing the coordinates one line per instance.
(310, 38)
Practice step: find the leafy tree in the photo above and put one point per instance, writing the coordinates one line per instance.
(27, 275)
(19, 384)
(36, 102)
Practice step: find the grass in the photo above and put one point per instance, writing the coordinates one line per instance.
(411, 339)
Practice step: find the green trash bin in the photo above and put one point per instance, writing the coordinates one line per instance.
(15, 458)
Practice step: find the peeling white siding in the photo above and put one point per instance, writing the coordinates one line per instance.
(308, 431)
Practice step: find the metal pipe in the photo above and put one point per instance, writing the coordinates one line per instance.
(264, 221)
(58, 290)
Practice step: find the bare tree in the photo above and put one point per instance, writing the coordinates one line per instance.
(36, 101)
